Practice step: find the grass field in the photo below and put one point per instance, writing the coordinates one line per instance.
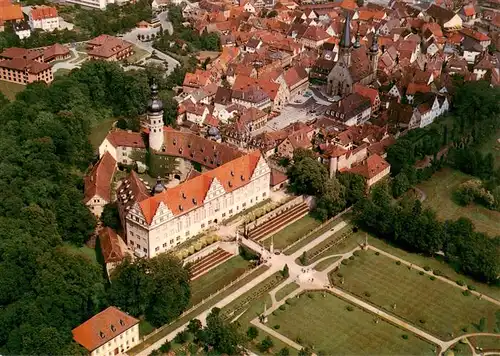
(62, 72)
(293, 232)
(217, 278)
(326, 263)
(283, 292)
(439, 190)
(325, 247)
(436, 264)
(90, 253)
(493, 146)
(314, 236)
(326, 324)
(486, 342)
(435, 306)
(99, 132)
(145, 328)
(11, 89)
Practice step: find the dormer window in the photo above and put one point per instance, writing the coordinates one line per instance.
(101, 334)
(205, 159)
(180, 150)
(181, 208)
(183, 195)
(122, 323)
(174, 141)
(192, 154)
(113, 328)
(232, 174)
(202, 149)
(242, 178)
(194, 201)
(189, 145)
(230, 184)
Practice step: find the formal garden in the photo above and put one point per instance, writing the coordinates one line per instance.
(329, 325)
(433, 305)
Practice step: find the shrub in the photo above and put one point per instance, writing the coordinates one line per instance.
(471, 287)
(466, 293)
(282, 307)
(181, 337)
(367, 294)
(427, 268)
(465, 329)
(421, 273)
(432, 278)
(437, 272)
(351, 258)
(277, 326)
(422, 321)
(356, 253)
(344, 262)
(377, 253)
(310, 295)
(298, 340)
(340, 275)
(350, 308)
(289, 301)
(398, 263)
(404, 336)
(274, 313)
(461, 283)
(166, 347)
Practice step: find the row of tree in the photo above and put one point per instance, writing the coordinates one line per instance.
(417, 229)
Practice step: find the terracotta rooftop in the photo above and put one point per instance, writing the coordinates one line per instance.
(295, 75)
(43, 12)
(98, 181)
(110, 245)
(367, 92)
(277, 177)
(417, 88)
(54, 51)
(120, 138)
(10, 12)
(191, 194)
(370, 168)
(478, 36)
(103, 327)
(106, 46)
(27, 65)
(16, 52)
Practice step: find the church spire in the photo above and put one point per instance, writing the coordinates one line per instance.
(345, 41)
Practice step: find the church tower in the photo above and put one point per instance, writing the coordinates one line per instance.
(373, 54)
(345, 42)
(155, 118)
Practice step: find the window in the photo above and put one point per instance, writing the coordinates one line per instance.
(171, 241)
(202, 226)
(164, 245)
(264, 194)
(178, 238)
(223, 214)
(157, 249)
(145, 250)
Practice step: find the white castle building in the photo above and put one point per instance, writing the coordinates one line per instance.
(155, 220)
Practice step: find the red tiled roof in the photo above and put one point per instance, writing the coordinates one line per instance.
(54, 51)
(102, 327)
(120, 138)
(27, 65)
(110, 245)
(367, 92)
(295, 75)
(371, 167)
(244, 83)
(277, 177)
(478, 36)
(191, 194)
(98, 181)
(9, 12)
(106, 46)
(16, 52)
(417, 88)
(469, 10)
(43, 12)
(198, 79)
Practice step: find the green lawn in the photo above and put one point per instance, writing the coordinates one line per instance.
(326, 247)
(326, 263)
(435, 306)
(139, 54)
(99, 132)
(293, 232)
(90, 253)
(10, 89)
(62, 72)
(439, 190)
(486, 342)
(145, 328)
(326, 324)
(283, 292)
(435, 264)
(493, 146)
(209, 283)
(314, 236)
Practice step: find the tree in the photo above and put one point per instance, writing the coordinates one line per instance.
(355, 187)
(110, 216)
(303, 258)
(252, 333)
(272, 13)
(400, 185)
(284, 352)
(210, 41)
(305, 352)
(224, 337)
(331, 200)
(301, 153)
(266, 344)
(285, 272)
(194, 326)
(307, 176)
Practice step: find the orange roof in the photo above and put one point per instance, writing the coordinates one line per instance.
(98, 181)
(373, 166)
(367, 92)
(191, 194)
(121, 138)
(198, 79)
(244, 83)
(348, 4)
(277, 177)
(469, 10)
(110, 245)
(478, 36)
(102, 327)
(25, 65)
(417, 88)
(106, 46)
(43, 12)
(10, 12)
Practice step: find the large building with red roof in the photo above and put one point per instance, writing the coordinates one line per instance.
(44, 17)
(98, 184)
(111, 332)
(109, 48)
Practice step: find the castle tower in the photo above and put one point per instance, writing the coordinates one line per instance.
(155, 118)
(345, 42)
(373, 54)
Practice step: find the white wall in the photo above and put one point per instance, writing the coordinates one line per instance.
(123, 342)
